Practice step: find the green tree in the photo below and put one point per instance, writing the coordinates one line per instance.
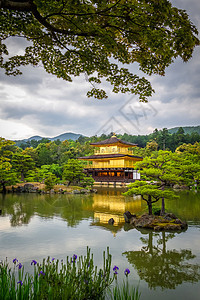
(93, 38)
(54, 152)
(56, 170)
(150, 193)
(41, 174)
(7, 175)
(50, 181)
(190, 149)
(190, 155)
(32, 175)
(163, 139)
(152, 145)
(87, 181)
(180, 136)
(73, 171)
(44, 154)
(164, 167)
(194, 137)
(155, 134)
(192, 172)
(44, 172)
(30, 151)
(22, 164)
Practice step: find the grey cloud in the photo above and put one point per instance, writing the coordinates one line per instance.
(15, 112)
(181, 82)
(191, 7)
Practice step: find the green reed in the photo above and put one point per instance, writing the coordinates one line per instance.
(125, 292)
(78, 279)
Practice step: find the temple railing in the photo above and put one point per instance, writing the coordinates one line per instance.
(112, 179)
(109, 166)
(110, 151)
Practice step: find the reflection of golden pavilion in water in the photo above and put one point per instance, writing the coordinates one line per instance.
(106, 207)
(112, 161)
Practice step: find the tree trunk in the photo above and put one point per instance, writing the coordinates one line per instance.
(149, 203)
(150, 243)
(162, 212)
(164, 243)
(22, 176)
(4, 188)
(163, 203)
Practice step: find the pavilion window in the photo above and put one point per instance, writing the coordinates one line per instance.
(112, 174)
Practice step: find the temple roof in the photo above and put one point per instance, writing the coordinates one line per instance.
(113, 140)
(100, 156)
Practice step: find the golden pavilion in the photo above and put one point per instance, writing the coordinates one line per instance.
(113, 161)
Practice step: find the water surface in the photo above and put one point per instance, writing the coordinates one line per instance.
(164, 264)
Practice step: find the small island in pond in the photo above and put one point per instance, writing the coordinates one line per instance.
(167, 222)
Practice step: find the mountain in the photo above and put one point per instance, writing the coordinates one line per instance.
(75, 136)
(66, 136)
(61, 137)
(187, 129)
(35, 137)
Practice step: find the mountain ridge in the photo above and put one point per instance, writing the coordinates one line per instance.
(62, 137)
(75, 136)
(187, 129)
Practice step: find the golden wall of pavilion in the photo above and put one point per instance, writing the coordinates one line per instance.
(113, 163)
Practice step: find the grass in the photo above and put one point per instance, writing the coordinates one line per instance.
(77, 279)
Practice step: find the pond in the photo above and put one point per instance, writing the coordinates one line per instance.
(165, 265)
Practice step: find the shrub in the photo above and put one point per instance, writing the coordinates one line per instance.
(156, 211)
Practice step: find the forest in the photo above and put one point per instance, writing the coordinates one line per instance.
(166, 139)
(54, 162)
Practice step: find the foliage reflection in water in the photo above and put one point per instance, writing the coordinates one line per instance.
(160, 267)
(36, 226)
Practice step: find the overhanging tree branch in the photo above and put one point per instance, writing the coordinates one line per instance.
(150, 33)
(16, 5)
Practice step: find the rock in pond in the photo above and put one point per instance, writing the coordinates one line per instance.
(168, 222)
(128, 216)
(111, 221)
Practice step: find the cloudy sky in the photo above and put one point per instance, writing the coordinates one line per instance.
(37, 103)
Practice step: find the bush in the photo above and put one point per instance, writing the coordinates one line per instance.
(50, 181)
(156, 211)
(87, 181)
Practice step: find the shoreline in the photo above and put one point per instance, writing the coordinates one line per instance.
(39, 188)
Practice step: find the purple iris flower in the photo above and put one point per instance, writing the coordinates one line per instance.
(15, 260)
(41, 273)
(20, 282)
(53, 259)
(115, 270)
(19, 266)
(34, 262)
(74, 258)
(126, 272)
(86, 281)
